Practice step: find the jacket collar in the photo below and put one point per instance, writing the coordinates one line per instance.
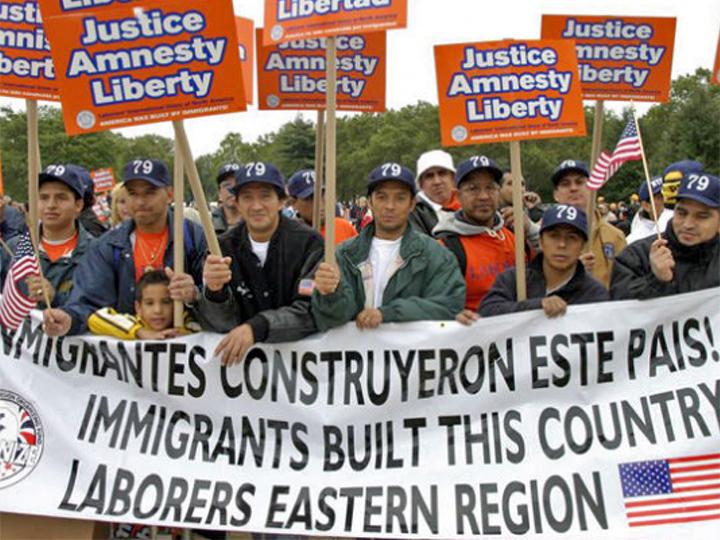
(537, 266)
(359, 250)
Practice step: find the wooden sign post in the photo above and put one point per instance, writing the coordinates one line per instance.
(594, 154)
(196, 186)
(178, 233)
(518, 219)
(330, 171)
(33, 156)
(319, 168)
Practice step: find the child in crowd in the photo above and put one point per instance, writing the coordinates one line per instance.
(154, 309)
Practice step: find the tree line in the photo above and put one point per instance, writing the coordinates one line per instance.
(686, 127)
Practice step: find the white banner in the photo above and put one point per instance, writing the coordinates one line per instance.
(604, 423)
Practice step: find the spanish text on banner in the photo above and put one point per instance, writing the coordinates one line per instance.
(620, 58)
(287, 20)
(292, 75)
(599, 425)
(508, 90)
(148, 61)
(26, 66)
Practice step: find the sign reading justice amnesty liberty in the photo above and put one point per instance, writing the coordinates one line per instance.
(292, 75)
(508, 90)
(620, 58)
(26, 67)
(144, 62)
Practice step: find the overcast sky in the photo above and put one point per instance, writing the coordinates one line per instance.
(411, 71)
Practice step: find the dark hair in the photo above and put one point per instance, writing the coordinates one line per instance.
(153, 277)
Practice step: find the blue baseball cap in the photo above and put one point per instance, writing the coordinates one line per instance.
(302, 184)
(65, 174)
(228, 169)
(152, 171)
(656, 184)
(259, 172)
(700, 187)
(564, 214)
(391, 171)
(478, 163)
(569, 165)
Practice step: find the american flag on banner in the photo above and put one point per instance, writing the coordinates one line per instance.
(629, 148)
(671, 491)
(14, 305)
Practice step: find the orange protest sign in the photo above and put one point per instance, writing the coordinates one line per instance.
(145, 62)
(51, 8)
(288, 20)
(292, 75)
(620, 58)
(246, 42)
(508, 91)
(26, 67)
(103, 179)
(715, 79)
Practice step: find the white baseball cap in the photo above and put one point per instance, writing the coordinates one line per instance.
(434, 158)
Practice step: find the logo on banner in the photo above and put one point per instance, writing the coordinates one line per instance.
(21, 438)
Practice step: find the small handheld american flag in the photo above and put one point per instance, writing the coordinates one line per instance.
(629, 148)
(667, 491)
(14, 305)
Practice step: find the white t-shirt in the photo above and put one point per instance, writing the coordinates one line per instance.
(260, 249)
(382, 254)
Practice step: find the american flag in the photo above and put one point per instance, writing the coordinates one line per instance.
(14, 305)
(628, 148)
(666, 491)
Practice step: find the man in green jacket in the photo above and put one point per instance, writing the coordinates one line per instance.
(390, 273)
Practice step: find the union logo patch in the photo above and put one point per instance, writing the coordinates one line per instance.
(21, 438)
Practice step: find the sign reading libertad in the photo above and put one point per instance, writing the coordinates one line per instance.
(287, 20)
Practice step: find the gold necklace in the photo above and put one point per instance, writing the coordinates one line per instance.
(154, 252)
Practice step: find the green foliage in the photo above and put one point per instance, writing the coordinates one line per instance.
(687, 127)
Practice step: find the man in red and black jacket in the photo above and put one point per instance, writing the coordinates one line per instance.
(476, 234)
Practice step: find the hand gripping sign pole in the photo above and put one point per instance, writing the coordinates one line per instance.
(331, 56)
(647, 172)
(319, 169)
(197, 190)
(594, 154)
(178, 236)
(519, 220)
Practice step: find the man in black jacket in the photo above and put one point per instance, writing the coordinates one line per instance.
(259, 290)
(555, 278)
(686, 258)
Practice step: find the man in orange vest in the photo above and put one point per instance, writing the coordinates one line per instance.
(477, 235)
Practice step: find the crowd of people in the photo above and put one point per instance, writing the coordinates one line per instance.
(438, 244)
